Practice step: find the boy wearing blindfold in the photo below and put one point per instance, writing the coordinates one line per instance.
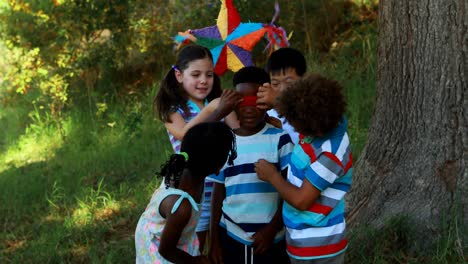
(246, 224)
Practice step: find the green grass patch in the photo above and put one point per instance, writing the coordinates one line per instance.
(76, 195)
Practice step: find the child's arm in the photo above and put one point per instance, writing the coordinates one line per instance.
(175, 223)
(232, 121)
(216, 110)
(217, 197)
(300, 198)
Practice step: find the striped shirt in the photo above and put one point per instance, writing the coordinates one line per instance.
(194, 110)
(286, 126)
(251, 203)
(326, 162)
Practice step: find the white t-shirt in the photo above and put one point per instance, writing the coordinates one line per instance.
(286, 126)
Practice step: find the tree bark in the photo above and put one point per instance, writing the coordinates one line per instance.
(415, 160)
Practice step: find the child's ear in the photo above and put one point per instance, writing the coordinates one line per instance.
(178, 75)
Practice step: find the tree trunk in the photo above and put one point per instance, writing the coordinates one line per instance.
(415, 160)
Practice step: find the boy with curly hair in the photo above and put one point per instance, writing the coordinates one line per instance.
(319, 172)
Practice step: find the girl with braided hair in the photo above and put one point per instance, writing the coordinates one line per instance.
(166, 230)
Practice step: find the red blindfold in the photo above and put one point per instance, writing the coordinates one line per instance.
(248, 101)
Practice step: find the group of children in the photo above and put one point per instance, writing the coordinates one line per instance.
(264, 191)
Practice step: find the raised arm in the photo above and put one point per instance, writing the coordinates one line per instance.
(216, 110)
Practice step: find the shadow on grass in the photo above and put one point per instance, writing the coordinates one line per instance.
(82, 202)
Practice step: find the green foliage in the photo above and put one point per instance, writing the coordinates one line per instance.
(70, 49)
(352, 61)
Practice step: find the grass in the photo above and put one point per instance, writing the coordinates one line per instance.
(77, 198)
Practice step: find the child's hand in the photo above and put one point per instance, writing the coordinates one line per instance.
(266, 97)
(263, 239)
(265, 170)
(228, 101)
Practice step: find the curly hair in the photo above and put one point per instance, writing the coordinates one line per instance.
(313, 105)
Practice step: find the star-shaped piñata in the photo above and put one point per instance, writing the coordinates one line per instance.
(230, 41)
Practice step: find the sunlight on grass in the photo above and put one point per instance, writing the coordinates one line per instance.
(97, 205)
(87, 213)
(79, 251)
(35, 145)
(29, 149)
(12, 245)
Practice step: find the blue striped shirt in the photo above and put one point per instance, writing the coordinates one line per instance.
(326, 162)
(251, 203)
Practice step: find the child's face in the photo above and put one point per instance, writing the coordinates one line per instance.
(283, 79)
(249, 115)
(197, 79)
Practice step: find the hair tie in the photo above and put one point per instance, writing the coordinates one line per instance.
(175, 68)
(185, 155)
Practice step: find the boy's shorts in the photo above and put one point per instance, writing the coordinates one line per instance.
(234, 252)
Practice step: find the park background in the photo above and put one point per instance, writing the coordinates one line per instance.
(79, 140)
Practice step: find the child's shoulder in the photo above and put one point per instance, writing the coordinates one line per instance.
(279, 137)
(270, 129)
(279, 132)
(173, 197)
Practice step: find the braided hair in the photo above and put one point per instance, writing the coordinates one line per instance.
(204, 150)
